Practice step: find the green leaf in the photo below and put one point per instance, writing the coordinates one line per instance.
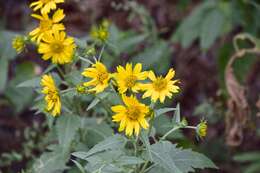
(3, 73)
(66, 128)
(7, 50)
(79, 166)
(20, 97)
(162, 111)
(97, 100)
(190, 28)
(157, 169)
(154, 55)
(95, 130)
(51, 162)
(105, 162)
(178, 160)
(129, 160)
(146, 142)
(113, 142)
(211, 28)
(248, 156)
(253, 168)
(34, 82)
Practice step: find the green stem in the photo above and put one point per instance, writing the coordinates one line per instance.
(86, 60)
(67, 90)
(60, 71)
(101, 52)
(144, 166)
(169, 132)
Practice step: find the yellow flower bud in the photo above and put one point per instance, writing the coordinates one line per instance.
(202, 128)
(18, 44)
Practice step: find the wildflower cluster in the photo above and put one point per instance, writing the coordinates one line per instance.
(86, 99)
(130, 83)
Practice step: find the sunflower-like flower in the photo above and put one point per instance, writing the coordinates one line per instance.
(47, 24)
(128, 78)
(45, 5)
(100, 77)
(57, 47)
(131, 115)
(201, 128)
(52, 98)
(160, 87)
(18, 44)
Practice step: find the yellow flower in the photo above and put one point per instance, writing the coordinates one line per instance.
(18, 44)
(100, 77)
(160, 87)
(127, 78)
(131, 115)
(202, 128)
(47, 24)
(52, 98)
(100, 33)
(45, 5)
(58, 47)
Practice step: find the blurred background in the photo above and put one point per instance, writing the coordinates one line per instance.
(195, 37)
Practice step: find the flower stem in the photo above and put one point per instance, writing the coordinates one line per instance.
(101, 52)
(169, 132)
(67, 90)
(84, 59)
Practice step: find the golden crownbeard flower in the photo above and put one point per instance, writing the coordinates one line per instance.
(131, 116)
(100, 33)
(52, 98)
(47, 24)
(45, 5)
(127, 78)
(18, 44)
(201, 128)
(100, 77)
(57, 46)
(160, 87)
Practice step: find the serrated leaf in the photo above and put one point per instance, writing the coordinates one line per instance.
(178, 160)
(113, 142)
(51, 163)
(190, 28)
(161, 156)
(211, 28)
(35, 82)
(66, 128)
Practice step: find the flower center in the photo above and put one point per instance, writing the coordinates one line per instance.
(45, 25)
(102, 76)
(133, 112)
(130, 81)
(53, 96)
(57, 47)
(160, 84)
